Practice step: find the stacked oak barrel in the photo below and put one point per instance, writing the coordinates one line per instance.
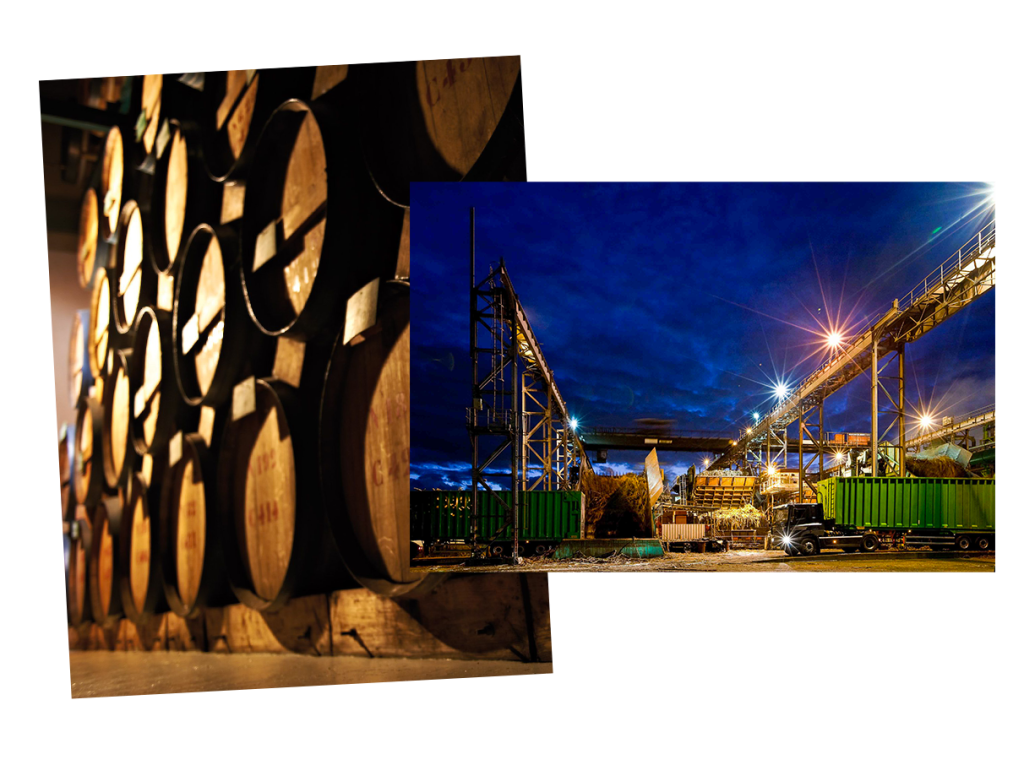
(241, 379)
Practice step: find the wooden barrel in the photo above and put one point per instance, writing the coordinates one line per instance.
(364, 447)
(141, 584)
(314, 229)
(133, 281)
(87, 473)
(442, 120)
(111, 185)
(80, 374)
(103, 565)
(92, 251)
(215, 342)
(236, 104)
(155, 396)
(190, 550)
(98, 337)
(277, 543)
(145, 114)
(77, 579)
(118, 452)
(66, 452)
(183, 196)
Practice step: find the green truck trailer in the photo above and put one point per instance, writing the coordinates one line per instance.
(545, 519)
(867, 513)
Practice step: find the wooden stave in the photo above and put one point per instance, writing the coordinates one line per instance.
(155, 603)
(83, 325)
(214, 588)
(244, 350)
(124, 324)
(170, 396)
(121, 359)
(359, 220)
(274, 88)
(81, 539)
(387, 99)
(202, 201)
(94, 488)
(108, 510)
(341, 499)
(320, 569)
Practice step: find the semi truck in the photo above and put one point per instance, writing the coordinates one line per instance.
(868, 513)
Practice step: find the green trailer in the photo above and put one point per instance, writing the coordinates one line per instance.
(546, 518)
(866, 513)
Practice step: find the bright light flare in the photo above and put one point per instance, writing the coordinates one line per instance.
(706, 462)
(757, 417)
(770, 470)
(749, 431)
(781, 390)
(573, 423)
(834, 340)
(926, 421)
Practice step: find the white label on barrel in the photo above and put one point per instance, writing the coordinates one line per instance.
(243, 399)
(190, 333)
(266, 245)
(361, 312)
(174, 449)
(207, 415)
(109, 201)
(232, 202)
(164, 292)
(210, 309)
(147, 470)
(288, 360)
(162, 138)
(140, 400)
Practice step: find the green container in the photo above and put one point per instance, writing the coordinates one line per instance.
(956, 504)
(443, 516)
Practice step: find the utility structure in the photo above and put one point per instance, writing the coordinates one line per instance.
(516, 405)
(957, 428)
(963, 277)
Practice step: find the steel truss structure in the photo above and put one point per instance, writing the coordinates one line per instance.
(516, 404)
(963, 277)
(957, 431)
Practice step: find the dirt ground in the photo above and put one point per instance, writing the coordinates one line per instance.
(753, 560)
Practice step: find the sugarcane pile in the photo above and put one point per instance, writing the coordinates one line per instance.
(617, 506)
(937, 467)
(746, 517)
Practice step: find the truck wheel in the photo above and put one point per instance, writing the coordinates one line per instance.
(808, 546)
(983, 543)
(963, 542)
(869, 543)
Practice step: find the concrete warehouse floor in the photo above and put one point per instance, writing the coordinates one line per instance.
(756, 560)
(117, 673)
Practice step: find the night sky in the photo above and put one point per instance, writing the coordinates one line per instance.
(687, 302)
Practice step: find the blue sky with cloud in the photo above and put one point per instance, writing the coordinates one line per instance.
(687, 302)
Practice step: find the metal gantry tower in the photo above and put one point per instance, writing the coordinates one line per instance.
(516, 405)
(962, 278)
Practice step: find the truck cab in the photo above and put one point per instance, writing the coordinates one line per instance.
(800, 528)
